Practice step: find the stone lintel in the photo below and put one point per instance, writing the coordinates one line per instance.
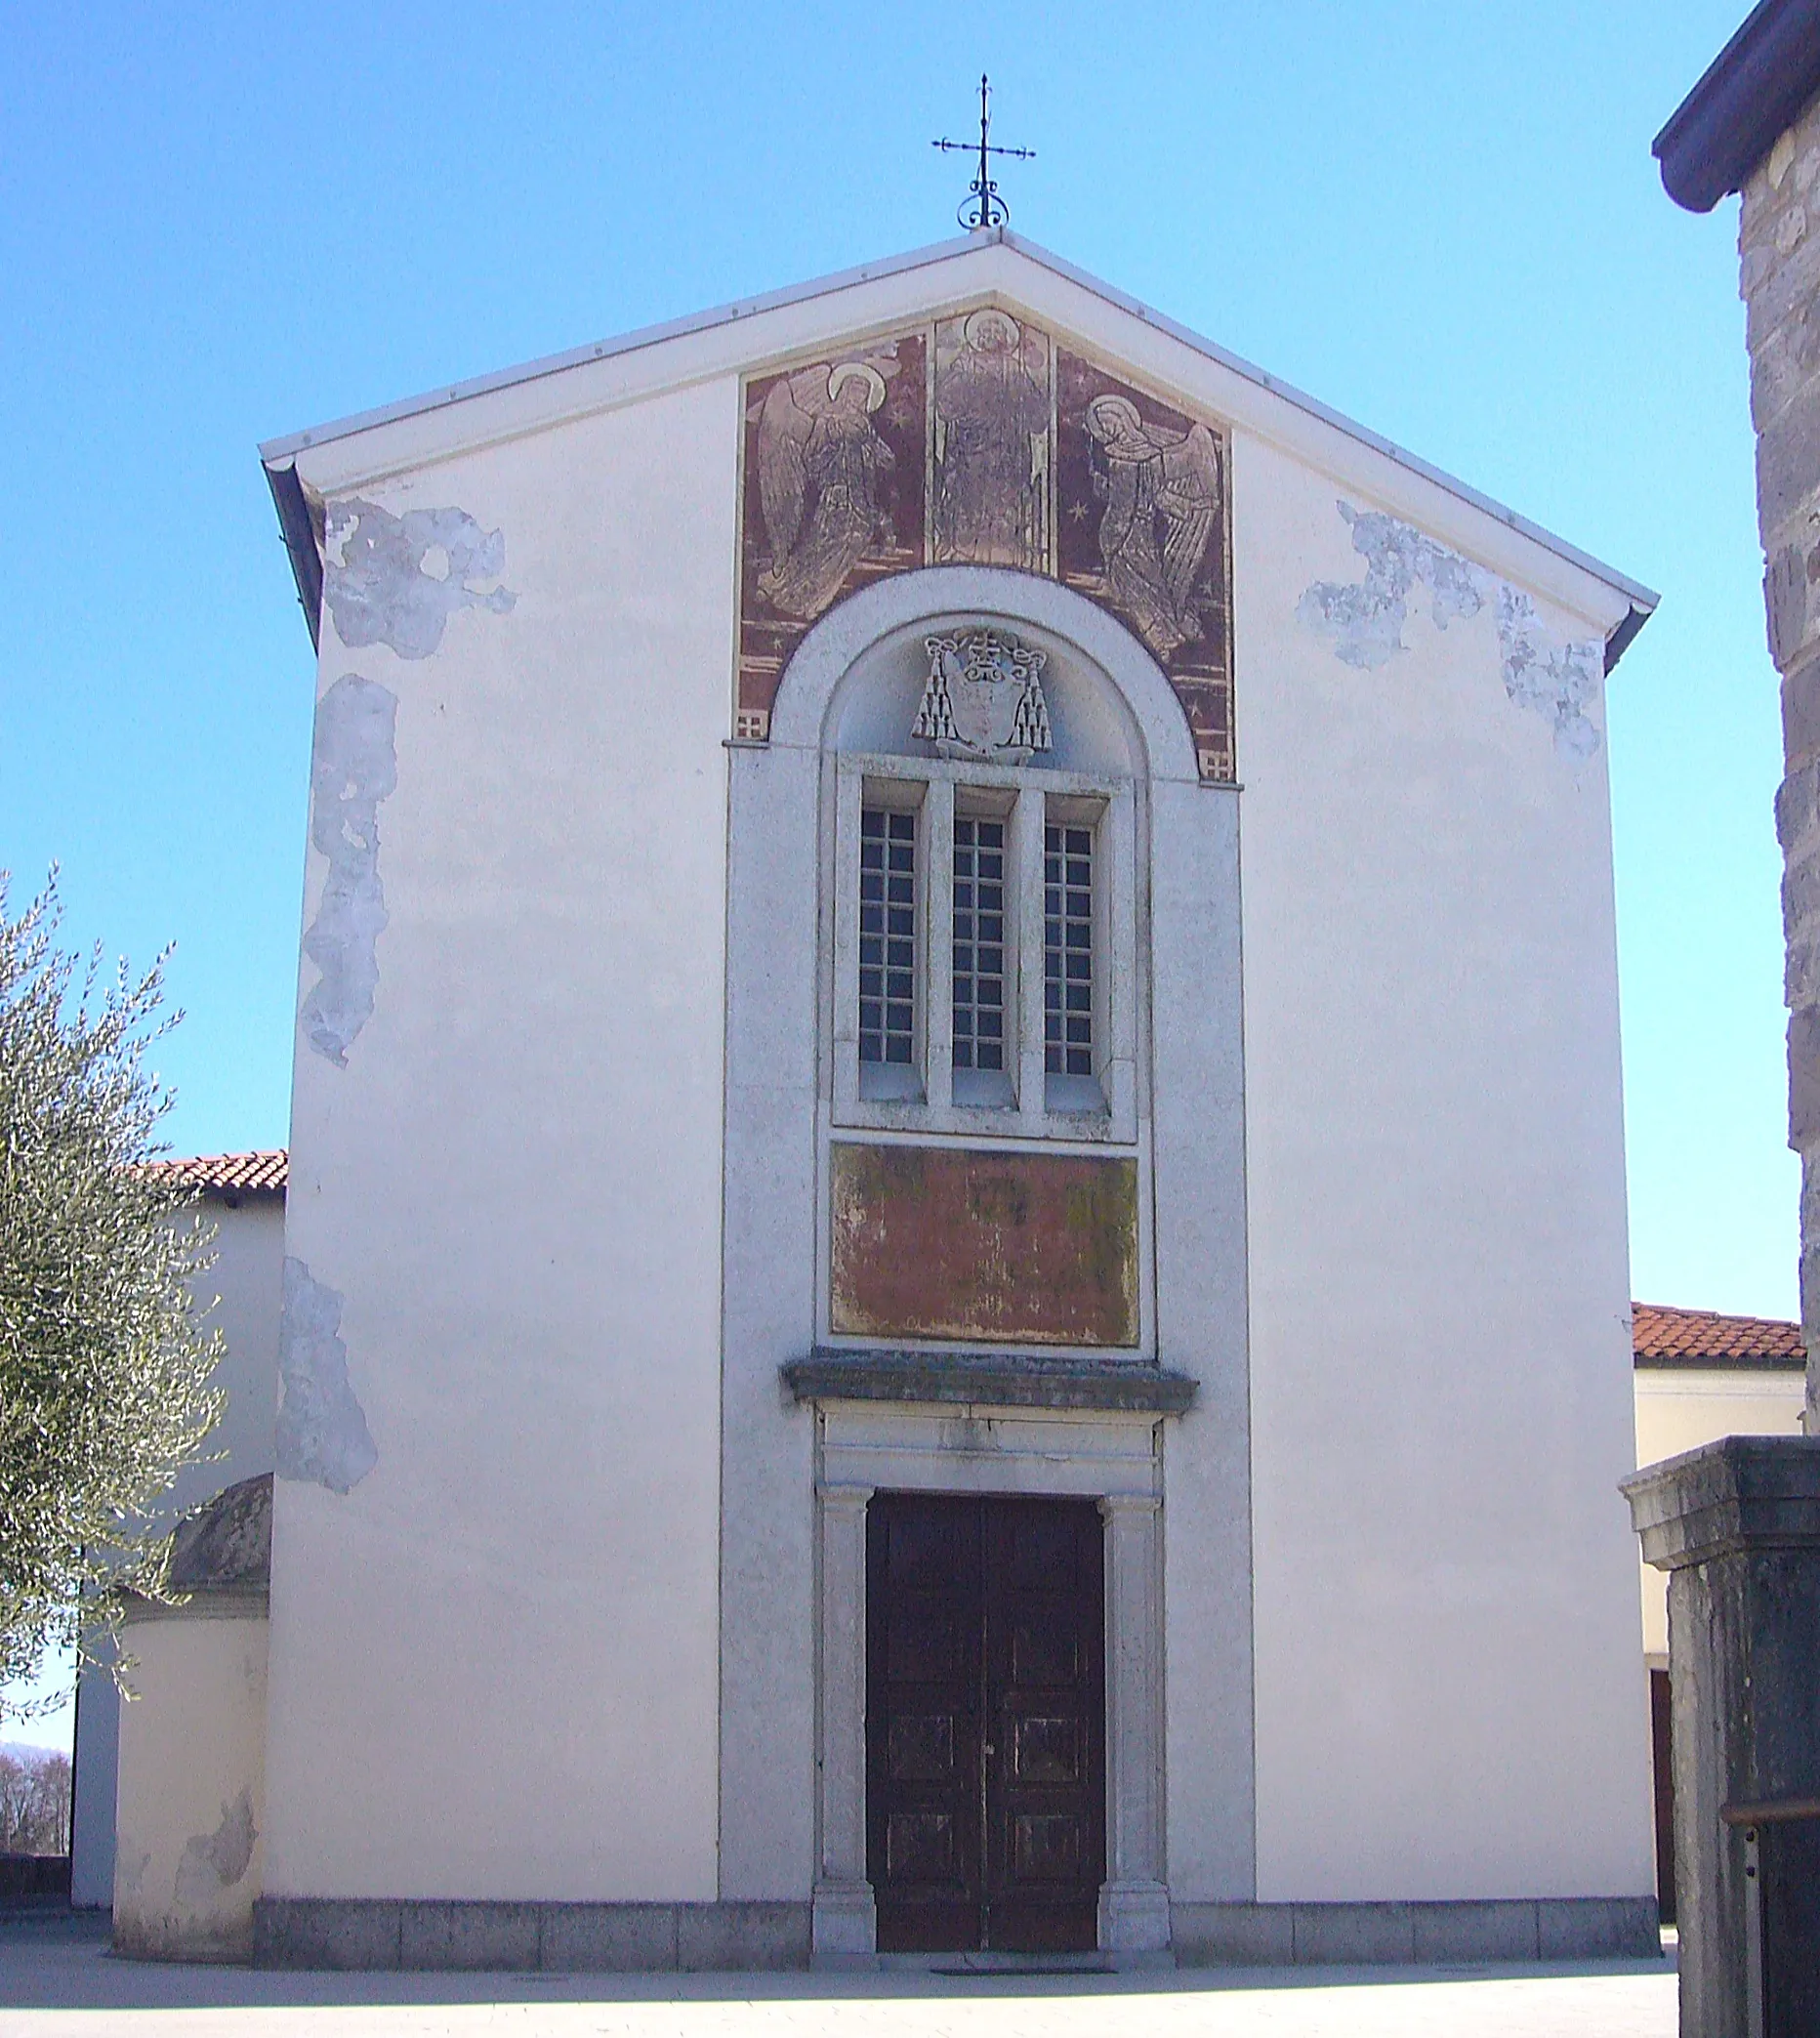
(1741, 1493)
(1000, 1380)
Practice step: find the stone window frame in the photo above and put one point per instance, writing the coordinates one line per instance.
(782, 799)
(1100, 1110)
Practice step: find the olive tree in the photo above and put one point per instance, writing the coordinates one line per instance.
(106, 1364)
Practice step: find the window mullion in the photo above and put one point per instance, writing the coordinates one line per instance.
(1117, 935)
(1026, 886)
(938, 942)
(849, 796)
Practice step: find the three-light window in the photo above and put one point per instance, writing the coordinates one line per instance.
(977, 915)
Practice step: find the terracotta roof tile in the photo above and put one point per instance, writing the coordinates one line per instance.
(228, 1173)
(1665, 1337)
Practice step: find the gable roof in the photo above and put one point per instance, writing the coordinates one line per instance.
(263, 1173)
(1666, 1337)
(280, 455)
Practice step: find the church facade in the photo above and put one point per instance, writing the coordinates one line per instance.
(955, 1275)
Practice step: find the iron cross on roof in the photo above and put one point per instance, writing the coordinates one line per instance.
(984, 207)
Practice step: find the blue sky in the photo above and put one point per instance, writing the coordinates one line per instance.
(220, 224)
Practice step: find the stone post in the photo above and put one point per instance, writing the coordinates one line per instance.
(844, 1928)
(1779, 254)
(1134, 1902)
(1736, 1525)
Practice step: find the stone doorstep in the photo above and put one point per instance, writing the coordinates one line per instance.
(554, 1937)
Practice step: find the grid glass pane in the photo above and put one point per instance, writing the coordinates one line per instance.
(1068, 950)
(979, 944)
(887, 935)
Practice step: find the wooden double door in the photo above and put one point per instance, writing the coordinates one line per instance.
(985, 1721)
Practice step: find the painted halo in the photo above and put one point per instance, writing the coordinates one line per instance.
(848, 371)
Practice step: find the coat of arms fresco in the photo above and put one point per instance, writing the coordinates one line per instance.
(979, 440)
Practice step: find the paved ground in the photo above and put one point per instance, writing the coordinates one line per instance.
(59, 1980)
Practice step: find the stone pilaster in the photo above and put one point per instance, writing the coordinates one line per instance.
(1779, 254)
(843, 1920)
(1133, 1902)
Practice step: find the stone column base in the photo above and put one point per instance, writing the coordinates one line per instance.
(844, 1928)
(1134, 1923)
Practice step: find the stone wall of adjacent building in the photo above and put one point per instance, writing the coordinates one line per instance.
(1779, 249)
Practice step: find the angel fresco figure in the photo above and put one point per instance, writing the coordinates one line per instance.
(820, 463)
(992, 451)
(1161, 490)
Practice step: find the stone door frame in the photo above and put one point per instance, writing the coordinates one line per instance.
(863, 1449)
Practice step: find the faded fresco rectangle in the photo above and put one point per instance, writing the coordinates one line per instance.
(947, 1242)
(834, 491)
(1144, 528)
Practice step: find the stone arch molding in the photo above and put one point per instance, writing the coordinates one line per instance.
(808, 692)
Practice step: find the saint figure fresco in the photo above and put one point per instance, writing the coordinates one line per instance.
(1141, 528)
(820, 467)
(832, 497)
(992, 443)
(1161, 491)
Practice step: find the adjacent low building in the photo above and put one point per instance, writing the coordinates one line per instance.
(242, 1196)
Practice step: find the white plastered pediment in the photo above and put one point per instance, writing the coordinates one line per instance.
(995, 267)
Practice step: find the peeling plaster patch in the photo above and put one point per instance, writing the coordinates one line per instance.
(323, 1433)
(397, 580)
(1364, 619)
(1557, 679)
(353, 768)
(214, 1861)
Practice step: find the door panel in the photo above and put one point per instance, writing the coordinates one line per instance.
(922, 1686)
(986, 1737)
(1045, 1714)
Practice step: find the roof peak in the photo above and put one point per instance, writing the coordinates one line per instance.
(280, 454)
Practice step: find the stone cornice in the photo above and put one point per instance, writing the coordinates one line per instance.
(1740, 1493)
(987, 1379)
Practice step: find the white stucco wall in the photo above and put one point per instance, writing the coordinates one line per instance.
(1449, 1698)
(1679, 1408)
(241, 1291)
(243, 1285)
(191, 1789)
(494, 1659)
(493, 1662)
